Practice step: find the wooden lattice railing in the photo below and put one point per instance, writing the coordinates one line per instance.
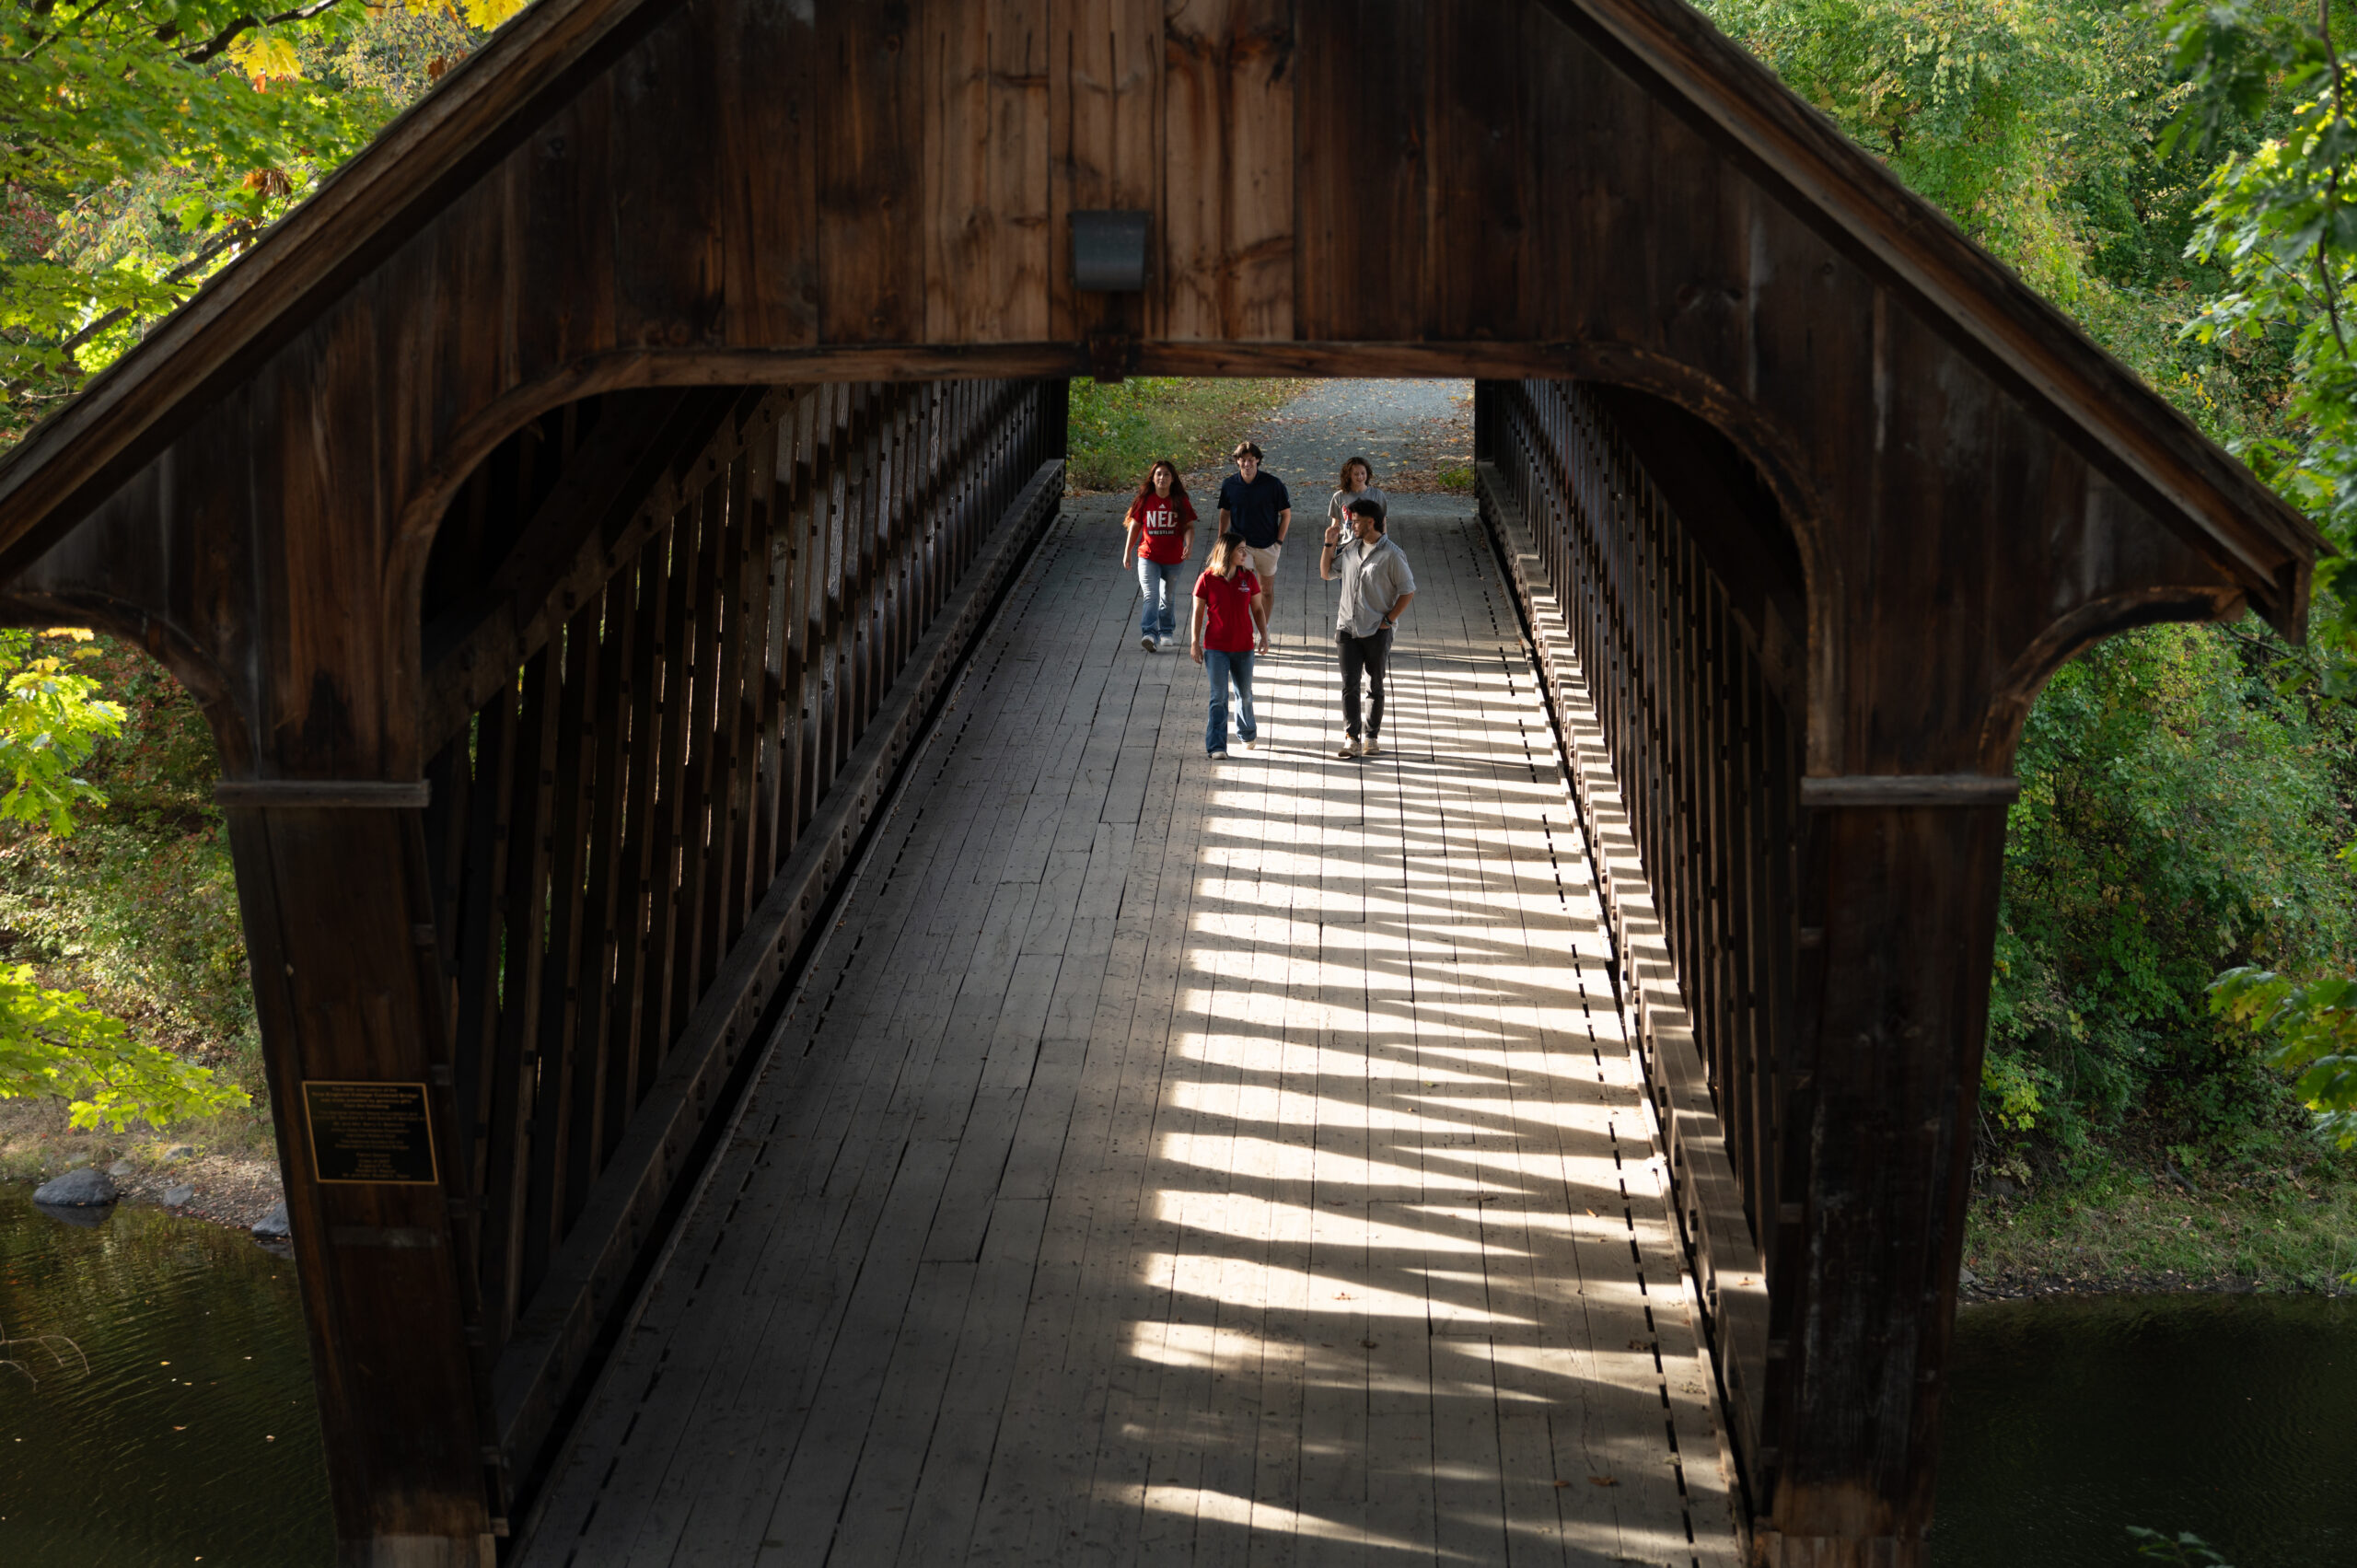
(1675, 692)
(677, 645)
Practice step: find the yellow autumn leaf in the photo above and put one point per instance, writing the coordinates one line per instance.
(265, 58)
(489, 14)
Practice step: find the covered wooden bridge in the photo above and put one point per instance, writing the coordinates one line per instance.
(626, 502)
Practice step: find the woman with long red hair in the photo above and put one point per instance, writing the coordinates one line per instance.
(1161, 536)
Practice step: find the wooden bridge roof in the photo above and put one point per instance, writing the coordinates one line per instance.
(881, 190)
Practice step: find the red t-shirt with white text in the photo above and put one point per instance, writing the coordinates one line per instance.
(1165, 520)
(1228, 604)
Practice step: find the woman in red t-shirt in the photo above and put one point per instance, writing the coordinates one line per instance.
(1161, 535)
(1231, 613)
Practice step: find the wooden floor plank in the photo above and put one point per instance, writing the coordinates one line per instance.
(1168, 1160)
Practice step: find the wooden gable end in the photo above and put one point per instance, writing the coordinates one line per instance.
(736, 191)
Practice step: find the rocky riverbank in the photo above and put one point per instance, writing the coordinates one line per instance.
(216, 1174)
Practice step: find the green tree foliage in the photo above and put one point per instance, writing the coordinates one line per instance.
(148, 139)
(2177, 814)
(51, 720)
(2036, 128)
(2279, 220)
(2315, 1030)
(2187, 791)
(139, 906)
(53, 1041)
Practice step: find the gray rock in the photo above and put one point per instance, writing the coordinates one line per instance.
(179, 1152)
(122, 1170)
(81, 1216)
(272, 1227)
(77, 1189)
(1966, 1278)
(179, 1192)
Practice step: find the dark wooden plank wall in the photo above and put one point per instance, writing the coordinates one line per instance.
(601, 828)
(1708, 759)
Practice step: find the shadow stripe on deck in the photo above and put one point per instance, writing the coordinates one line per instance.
(1170, 1161)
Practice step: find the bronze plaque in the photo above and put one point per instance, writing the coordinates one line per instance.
(370, 1132)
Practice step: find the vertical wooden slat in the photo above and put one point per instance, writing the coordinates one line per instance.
(1365, 121)
(870, 179)
(596, 1111)
(700, 687)
(630, 1060)
(474, 1053)
(753, 744)
(769, 77)
(799, 767)
(1227, 168)
(1103, 73)
(987, 133)
(557, 1033)
(731, 741)
(841, 543)
(673, 815)
(515, 1067)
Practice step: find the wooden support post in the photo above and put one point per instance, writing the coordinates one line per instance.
(1879, 1143)
(339, 924)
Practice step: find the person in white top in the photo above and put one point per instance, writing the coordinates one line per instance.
(1358, 480)
(1376, 587)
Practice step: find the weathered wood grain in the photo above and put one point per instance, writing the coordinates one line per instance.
(870, 172)
(1228, 169)
(1105, 82)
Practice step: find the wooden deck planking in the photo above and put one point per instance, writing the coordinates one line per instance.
(1175, 1161)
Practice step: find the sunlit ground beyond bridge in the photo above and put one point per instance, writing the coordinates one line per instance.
(1178, 1161)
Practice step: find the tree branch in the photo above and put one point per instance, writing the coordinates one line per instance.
(2332, 182)
(199, 53)
(221, 242)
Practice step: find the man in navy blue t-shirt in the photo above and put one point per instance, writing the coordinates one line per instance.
(1257, 505)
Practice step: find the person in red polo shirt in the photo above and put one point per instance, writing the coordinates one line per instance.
(1231, 615)
(1161, 535)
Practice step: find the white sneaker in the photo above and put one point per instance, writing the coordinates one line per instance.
(1370, 749)
(1149, 644)
(1217, 756)
(1250, 744)
(1349, 747)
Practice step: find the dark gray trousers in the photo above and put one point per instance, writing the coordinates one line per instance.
(1368, 657)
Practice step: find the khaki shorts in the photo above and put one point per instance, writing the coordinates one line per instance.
(1263, 563)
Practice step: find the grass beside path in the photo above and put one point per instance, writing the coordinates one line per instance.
(1117, 431)
(2129, 1229)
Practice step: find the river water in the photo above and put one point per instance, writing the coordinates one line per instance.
(2231, 1416)
(192, 1436)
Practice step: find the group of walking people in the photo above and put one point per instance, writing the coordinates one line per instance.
(1229, 625)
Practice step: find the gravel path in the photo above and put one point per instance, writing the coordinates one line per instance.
(1410, 432)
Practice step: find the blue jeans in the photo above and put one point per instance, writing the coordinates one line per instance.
(1158, 581)
(1224, 668)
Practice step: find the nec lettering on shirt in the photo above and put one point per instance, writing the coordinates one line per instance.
(1162, 520)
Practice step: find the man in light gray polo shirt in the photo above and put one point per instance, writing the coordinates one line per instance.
(1377, 586)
